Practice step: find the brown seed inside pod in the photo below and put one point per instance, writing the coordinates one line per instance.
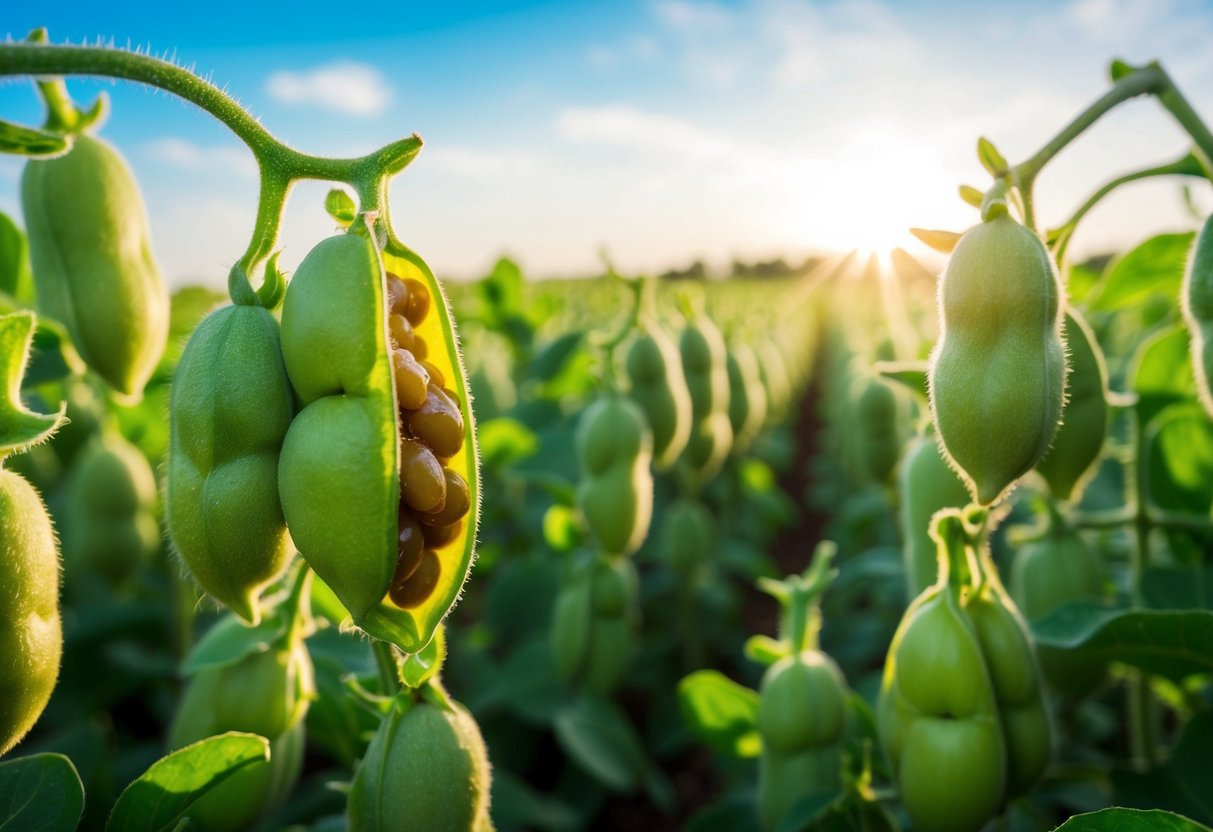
(420, 586)
(422, 482)
(438, 423)
(411, 380)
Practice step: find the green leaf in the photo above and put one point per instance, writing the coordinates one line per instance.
(552, 356)
(230, 640)
(1180, 784)
(1130, 820)
(599, 738)
(971, 195)
(721, 713)
(504, 441)
(911, 374)
(20, 427)
(340, 206)
(1161, 372)
(418, 668)
(31, 141)
(1118, 69)
(1179, 459)
(766, 650)
(1170, 643)
(53, 357)
(991, 159)
(1178, 587)
(162, 796)
(16, 279)
(1154, 267)
(40, 793)
(941, 241)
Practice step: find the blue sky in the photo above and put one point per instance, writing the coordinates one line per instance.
(663, 129)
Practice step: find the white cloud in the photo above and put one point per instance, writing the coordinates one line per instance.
(689, 16)
(629, 126)
(185, 154)
(345, 87)
(470, 161)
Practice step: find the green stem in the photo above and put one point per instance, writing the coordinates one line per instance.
(1189, 165)
(385, 664)
(1143, 738)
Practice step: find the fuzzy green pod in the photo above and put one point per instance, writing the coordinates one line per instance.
(230, 407)
(937, 714)
(927, 485)
(378, 475)
(879, 419)
(1196, 300)
(593, 628)
(705, 364)
(265, 693)
(31, 636)
(94, 270)
(998, 374)
(688, 536)
(426, 768)
(747, 396)
(1010, 657)
(615, 492)
(1049, 573)
(1074, 456)
(111, 526)
(656, 384)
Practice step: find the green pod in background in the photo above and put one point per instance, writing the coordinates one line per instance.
(1049, 573)
(773, 370)
(615, 492)
(926, 485)
(705, 364)
(94, 271)
(265, 693)
(937, 715)
(879, 417)
(655, 383)
(1010, 657)
(998, 374)
(31, 635)
(1074, 456)
(594, 622)
(111, 526)
(747, 396)
(572, 619)
(1196, 300)
(688, 536)
(426, 768)
(231, 405)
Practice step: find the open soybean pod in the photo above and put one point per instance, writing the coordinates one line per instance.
(378, 473)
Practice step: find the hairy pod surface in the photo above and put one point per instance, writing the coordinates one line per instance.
(998, 374)
(705, 364)
(111, 528)
(657, 385)
(265, 693)
(94, 270)
(1074, 456)
(615, 492)
(1196, 300)
(937, 714)
(31, 635)
(927, 484)
(231, 405)
(378, 475)
(426, 768)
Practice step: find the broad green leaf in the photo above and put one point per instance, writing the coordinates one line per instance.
(504, 441)
(941, 241)
(1179, 459)
(721, 713)
(1161, 372)
(518, 805)
(766, 650)
(552, 356)
(1080, 279)
(1130, 820)
(1154, 267)
(340, 206)
(911, 374)
(40, 793)
(1178, 587)
(595, 734)
(20, 427)
(993, 161)
(162, 796)
(16, 280)
(1180, 784)
(1169, 643)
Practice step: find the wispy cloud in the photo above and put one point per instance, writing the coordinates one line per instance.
(688, 16)
(344, 87)
(624, 125)
(475, 162)
(186, 154)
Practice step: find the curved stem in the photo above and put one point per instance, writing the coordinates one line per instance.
(388, 670)
(1189, 165)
